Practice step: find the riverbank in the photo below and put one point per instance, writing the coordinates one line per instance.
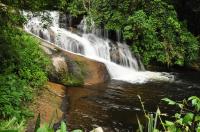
(50, 104)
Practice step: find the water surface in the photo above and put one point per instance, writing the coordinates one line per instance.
(114, 105)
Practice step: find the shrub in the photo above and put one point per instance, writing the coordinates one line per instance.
(12, 125)
(186, 119)
(158, 36)
(22, 71)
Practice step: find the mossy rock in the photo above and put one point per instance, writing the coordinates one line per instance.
(72, 80)
(66, 71)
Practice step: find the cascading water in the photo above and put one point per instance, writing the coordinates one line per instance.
(118, 59)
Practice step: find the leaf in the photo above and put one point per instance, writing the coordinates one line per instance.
(180, 121)
(42, 129)
(140, 125)
(156, 118)
(170, 126)
(197, 118)
(169, 101)
(128, 27)
(177, 115)
(156, 130)
(195, 102)
(169, 123)
(11, 122)
(37, 125)
(45, 128)
(150, 123)
(198, 128)
(187, 119)
(63, 127)
(180, 105)
(192, 97)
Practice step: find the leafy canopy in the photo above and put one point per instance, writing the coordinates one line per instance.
(150, 27)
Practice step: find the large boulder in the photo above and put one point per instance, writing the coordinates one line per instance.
(49, 104)
(73, 70)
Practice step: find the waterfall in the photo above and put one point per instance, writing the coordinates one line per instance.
(118, 35)
(120, 62)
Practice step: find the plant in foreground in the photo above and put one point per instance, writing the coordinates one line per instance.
(186, 119)
(49, 127)
(12, 125)
(63, 128)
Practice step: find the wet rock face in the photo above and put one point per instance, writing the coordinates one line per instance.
(73, 70)
(63, 20)
(60, 64)
(49, 104)
(65, 71)
(114, 53)
(52, 36)
(66, 20)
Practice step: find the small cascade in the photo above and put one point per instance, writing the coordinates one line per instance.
(118, 35)
(126, 58)
(121, 64)
(100, 46)
(99, 32)
(83, 25)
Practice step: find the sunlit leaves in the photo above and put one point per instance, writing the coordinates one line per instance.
(195, 102)
(169, 101)
(188, 118)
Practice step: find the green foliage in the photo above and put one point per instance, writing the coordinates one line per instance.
(14, 93)
(22, 71)
(12, 125)
(49, 128)
(169, 101)
(151, 120)
(151, 27)
(45, 128)
(187, 119)
(195, 102)
(76, 7)
(159, 36)
(63, 127)
(33, 62)
(37, 124)
(72, 80)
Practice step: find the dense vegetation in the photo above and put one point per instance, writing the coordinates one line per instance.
(152, 28)
(22, 71)
(23, 64)
(190, 11)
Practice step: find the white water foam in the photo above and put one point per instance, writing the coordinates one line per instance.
(123, 66)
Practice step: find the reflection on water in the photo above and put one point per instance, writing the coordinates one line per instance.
(114, 105)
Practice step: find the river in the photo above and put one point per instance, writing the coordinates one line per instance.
(114, 105)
